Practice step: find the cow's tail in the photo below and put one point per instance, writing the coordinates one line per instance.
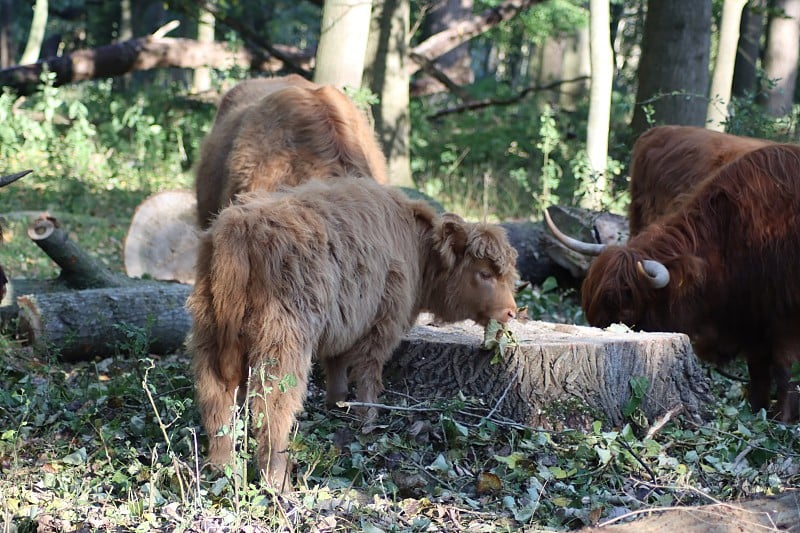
(230, 271)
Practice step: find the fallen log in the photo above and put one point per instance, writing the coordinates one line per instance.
(81, 325)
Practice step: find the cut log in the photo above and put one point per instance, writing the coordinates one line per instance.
(557, 375)
(81, 325)
(79, 270)
(162, 239)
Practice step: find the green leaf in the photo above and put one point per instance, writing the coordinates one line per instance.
(76, 458)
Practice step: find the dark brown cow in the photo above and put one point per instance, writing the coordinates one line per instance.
(335, 270)
(722, 269)
(270, 132)
(668, 162)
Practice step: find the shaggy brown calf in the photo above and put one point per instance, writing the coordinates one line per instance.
(270, 132)
(722, 269)
(667, 162)
(335, 270)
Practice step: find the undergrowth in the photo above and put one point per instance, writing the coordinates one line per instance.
(116, 443)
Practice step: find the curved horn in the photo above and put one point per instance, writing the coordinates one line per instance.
(655, 272)
(11, 178)
(586, 248)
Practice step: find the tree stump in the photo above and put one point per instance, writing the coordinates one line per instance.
(558, 375)
(81, 325)
(163, 236)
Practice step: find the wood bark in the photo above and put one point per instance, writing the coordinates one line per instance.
(79, 270)
(558, 375)
(345, 27)
(751, 29)
(722, 80)
(81, 325)
(152, 52)
(781, 56)
(144, 53)
(600, 103)
(673, 69)
(385, 74)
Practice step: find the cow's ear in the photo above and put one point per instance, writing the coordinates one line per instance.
(452, 236)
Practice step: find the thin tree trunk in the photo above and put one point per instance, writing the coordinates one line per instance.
(599, 101)
(780, 60)
(205, 35)
(343, 43)
(721, 82)
(6, 41)
(387, 77)
(751, 29)
(36, 35)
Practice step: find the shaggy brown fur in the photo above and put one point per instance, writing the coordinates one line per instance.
(270, 132)
(668, 162)
(335, 270)
(732, 255)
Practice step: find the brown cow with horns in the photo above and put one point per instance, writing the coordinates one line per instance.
(270, 132)
(668, 162)
(335, 270)
(722, 269)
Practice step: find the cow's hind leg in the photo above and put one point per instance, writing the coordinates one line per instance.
(278, 386)
(216, 400)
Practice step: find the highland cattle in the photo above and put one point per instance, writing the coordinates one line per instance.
(270, 132)
(722, 269)
(334, 270)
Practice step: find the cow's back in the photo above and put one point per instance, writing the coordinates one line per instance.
(668, 162)
(282, 131)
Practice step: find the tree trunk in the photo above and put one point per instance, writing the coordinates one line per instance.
(599, 103)
(36, 35)
(7, 52)
(386, 76)
(673, 70)
(559, 375)
(721, 82)
(343, 43)
(751, 29)
(81, 325)
(781, 57)
(205, 35)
